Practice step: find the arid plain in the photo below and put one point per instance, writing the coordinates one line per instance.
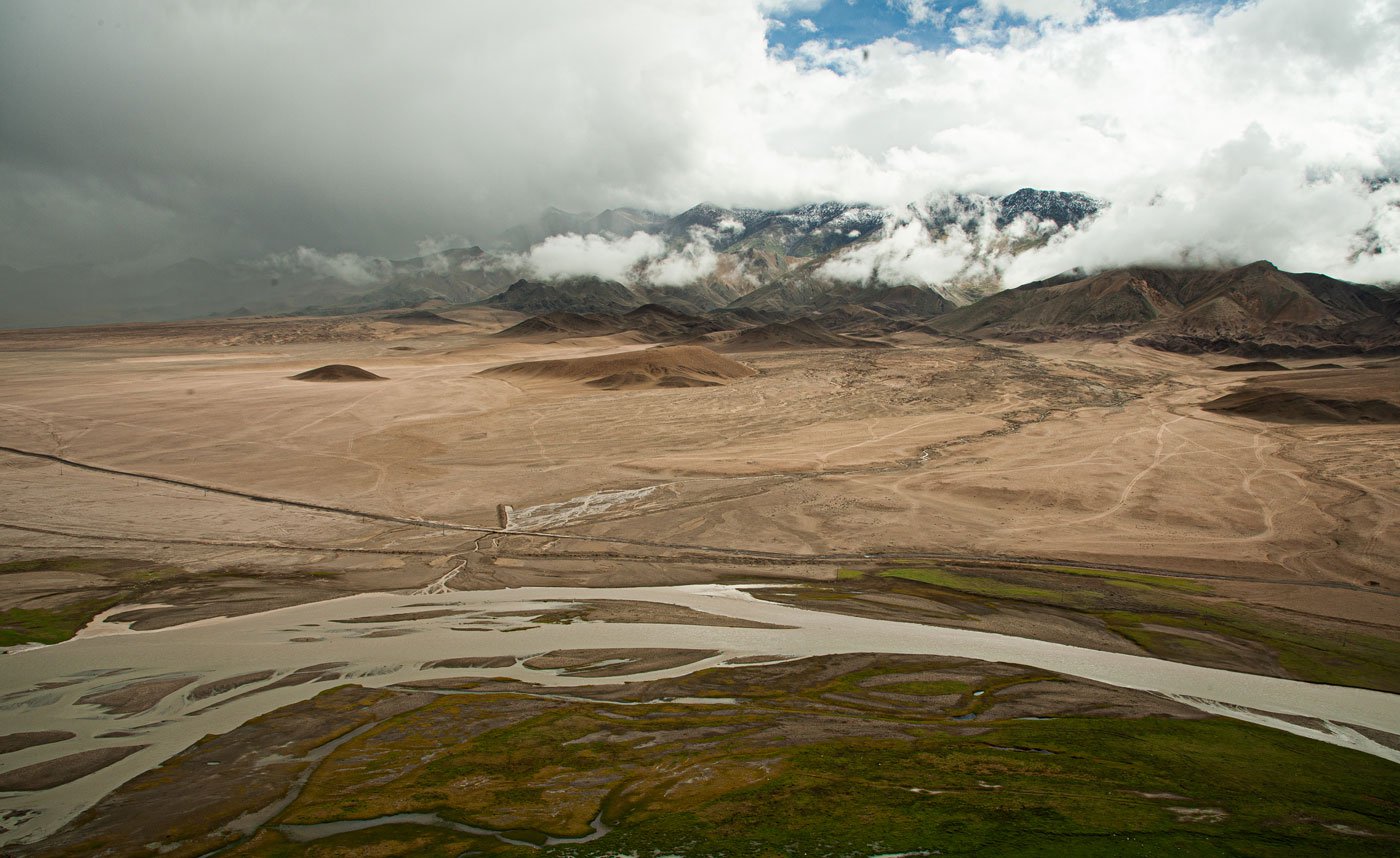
(1073, 492)
(1095, 452)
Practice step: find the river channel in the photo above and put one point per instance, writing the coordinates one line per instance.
(381, 639)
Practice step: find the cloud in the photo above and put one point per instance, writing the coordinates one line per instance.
(1058, 11)
(597, 255)
(920, 12)
(149, 130)
(787, 7)
(907, 254)
(637, 258)
(697, 259)
(346, 267)
(432, 251)
(944, 241)
(1245, 201)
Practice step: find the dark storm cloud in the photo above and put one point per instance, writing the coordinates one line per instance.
(367, 125)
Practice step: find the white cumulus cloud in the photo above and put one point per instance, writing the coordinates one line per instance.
(695, 260)
(1245, 201)
(1058, 11)
(597, 255)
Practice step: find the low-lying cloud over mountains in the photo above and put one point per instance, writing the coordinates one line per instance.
(958, 245)
(955, 247)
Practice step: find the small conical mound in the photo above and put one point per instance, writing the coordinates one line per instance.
(337, 372)
(669, 366)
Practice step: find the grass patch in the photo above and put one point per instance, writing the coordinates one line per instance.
(1350, 658)
(857, 798)
(981, 586)
(387, 841)
(1140, 578)
(121, 580)
(925, 689)
(49, 625)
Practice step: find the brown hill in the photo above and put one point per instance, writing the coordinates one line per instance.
(574, 295)
(906, 301)
(856, 320)
(562, 324)
(802, 333)
(653, 322)
(664, 323)
(800, 294)
(668, 366)
(1254, 310)
(1325, 396)
(337, 372)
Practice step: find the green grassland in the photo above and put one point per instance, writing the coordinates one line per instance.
(49, 625)
(825, 766)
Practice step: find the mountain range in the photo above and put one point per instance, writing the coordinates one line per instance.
(770, 258)
(1252, 310)
(764, 277)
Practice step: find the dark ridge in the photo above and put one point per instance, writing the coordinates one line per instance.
(1286, 406)
(564, 323)
(1063, 207)
(1254, 311)
(574, 295)
(658, 310)
(803, 333)
(1254, 366)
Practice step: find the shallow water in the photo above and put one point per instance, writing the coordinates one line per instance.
(319, 831)
(110, 655)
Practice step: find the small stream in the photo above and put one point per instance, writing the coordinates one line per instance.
(321, 830)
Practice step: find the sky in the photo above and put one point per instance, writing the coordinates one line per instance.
(139, 133)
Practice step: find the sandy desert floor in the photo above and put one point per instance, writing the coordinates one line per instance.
(1095, 453)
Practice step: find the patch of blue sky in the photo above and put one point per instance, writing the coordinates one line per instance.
(930, 24)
